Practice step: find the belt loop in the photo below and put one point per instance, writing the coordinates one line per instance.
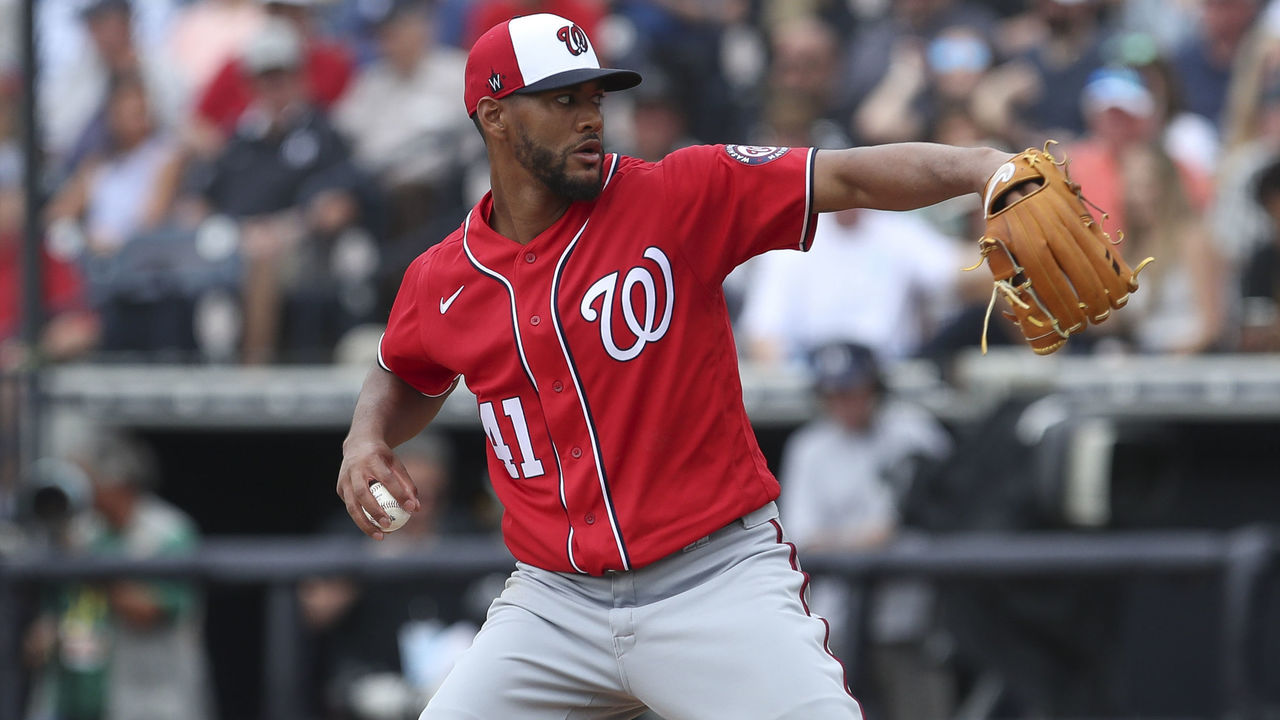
(697, 543)
(760, 515)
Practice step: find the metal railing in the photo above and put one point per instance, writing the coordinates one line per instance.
(1240, 561)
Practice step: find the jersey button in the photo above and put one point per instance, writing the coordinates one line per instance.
(557, 386)
(535, 320)
(590, 518)
(576, 452)
(530, 257)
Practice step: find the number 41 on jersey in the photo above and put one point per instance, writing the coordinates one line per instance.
(530, 466)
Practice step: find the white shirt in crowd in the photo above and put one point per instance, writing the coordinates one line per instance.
(841, 489)
(410, 128)
(839, 485)
(880, 281)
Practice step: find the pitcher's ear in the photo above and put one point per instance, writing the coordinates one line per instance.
(491, 117)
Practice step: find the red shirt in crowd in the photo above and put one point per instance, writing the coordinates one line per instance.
(1095, 166)
(63, 290)
(484, 15)
(328, 67)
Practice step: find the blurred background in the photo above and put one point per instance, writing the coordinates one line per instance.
(206, 207)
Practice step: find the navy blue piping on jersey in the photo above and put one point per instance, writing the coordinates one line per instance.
(586, 406)
(582, 395)
(511, 293)
(515, 329)
(809, 225)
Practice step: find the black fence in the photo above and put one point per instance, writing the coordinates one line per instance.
(1152, 474)
(1238, 564)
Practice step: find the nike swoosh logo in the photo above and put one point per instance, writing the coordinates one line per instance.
(444, 304)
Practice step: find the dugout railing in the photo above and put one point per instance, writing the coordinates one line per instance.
(1074, 456)
(1239, 562)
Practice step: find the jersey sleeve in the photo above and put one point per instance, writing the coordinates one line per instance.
(732, 202)
(401, 350)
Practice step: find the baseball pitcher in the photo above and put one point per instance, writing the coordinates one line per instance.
(581, 301)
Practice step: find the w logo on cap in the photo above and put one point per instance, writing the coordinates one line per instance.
(527, 54)
(573, 38)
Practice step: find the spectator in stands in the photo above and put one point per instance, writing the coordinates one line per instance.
(1260, 287)
(1158, 204)
(891, 51)
(1188, 137)
(409, 129)
(1037, 93)
(1258, 60)
(326, 65)
(660, 124)
(207, 35)
(62, 35)
(114, 201)
(924, 80)
(1204, 61)
(484, 14)
(1167, 22)
(73, 102)
(802, 73)
(302, 207)
(708, 51)
(839, 16)
(70, 327)
(844, 476)
(123, 649)
(877, 278)
(1251, 141)
(957, 59)
(386, 645)
(800, 91)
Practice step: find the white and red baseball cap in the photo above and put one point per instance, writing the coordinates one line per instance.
(532, 53)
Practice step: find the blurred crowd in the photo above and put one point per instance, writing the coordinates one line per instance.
(243, 181)
(130, 648)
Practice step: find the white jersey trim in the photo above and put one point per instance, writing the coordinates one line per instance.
(383, 364)
(582, 398)
(808, 199)
(515, 329)
(613, 167)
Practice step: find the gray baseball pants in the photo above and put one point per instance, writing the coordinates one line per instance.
(718, 630)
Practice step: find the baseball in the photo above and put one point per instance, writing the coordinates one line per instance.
(399, 516)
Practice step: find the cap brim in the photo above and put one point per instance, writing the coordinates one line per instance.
(611, 79)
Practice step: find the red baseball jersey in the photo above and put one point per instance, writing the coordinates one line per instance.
(601, 354)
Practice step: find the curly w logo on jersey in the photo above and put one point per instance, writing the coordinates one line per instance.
(645, 327)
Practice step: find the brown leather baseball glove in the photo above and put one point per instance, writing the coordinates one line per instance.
(1049, 257)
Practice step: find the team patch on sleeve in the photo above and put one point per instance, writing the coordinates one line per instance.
(755, 154)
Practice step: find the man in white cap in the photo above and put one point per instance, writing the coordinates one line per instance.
(582, 301)
(405, 125)
(327, 67)
(286, 176)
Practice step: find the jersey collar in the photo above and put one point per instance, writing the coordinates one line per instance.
(481, 237)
